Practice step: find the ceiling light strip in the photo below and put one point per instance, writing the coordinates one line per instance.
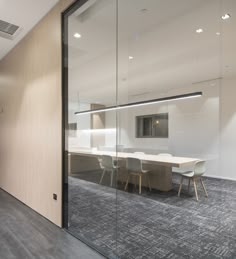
(135, 104)
(226, 16)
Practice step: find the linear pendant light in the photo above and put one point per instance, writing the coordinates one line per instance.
(152, 101)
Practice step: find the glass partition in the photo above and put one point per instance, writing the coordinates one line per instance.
(148, 168)
(91, 42)
(160, 53)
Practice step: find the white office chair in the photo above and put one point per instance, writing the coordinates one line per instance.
(107, 164)
(139, 153)
(198, 170)
(134, 167)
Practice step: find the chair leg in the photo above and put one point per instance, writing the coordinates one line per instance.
(135, 182)
(140, 184)
(112, 172)
(195, 188)
(189, 184)
(127, 181)
(204, 188)
(149, 184)
(122, 182)
(103, 173)
(180, 186)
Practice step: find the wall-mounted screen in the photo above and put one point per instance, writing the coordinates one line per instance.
(152, 126)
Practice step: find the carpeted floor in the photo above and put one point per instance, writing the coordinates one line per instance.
(154, 224)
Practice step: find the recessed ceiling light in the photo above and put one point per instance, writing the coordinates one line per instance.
(77, 35)
(131, 57)
(144, 10)
(218, 33)
(199, 30)
(226, 16)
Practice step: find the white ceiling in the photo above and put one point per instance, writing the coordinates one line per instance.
(24, 13)
(167, 51)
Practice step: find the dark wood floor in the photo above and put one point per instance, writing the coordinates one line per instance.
(25, 234)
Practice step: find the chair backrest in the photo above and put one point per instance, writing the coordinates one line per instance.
(199, 168)
(164, 154)
(107, 161)
(134, 164)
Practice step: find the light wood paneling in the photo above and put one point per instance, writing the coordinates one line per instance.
(30, 126)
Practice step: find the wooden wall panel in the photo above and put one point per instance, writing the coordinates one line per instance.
(30, 125)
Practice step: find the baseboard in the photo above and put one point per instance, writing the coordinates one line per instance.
(219, 177)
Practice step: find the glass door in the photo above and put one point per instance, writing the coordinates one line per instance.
(90, 76)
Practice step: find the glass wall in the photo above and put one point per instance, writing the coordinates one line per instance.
(146, 178)
(92, 85)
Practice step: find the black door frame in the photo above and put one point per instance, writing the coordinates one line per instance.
(64, 93)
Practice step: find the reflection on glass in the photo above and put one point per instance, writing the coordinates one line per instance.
(126, 164)
(92, 182)
(169, 57)
(92, 85)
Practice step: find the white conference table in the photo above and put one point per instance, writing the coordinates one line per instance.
(159, 165)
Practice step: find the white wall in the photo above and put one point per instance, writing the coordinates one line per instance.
(83, 136)
(110, 137)
(203, 127)
(228, 129)
(193, 125)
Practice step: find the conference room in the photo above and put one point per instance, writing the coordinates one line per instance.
(146, 118)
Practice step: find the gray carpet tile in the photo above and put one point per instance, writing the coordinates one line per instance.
(155, 224)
